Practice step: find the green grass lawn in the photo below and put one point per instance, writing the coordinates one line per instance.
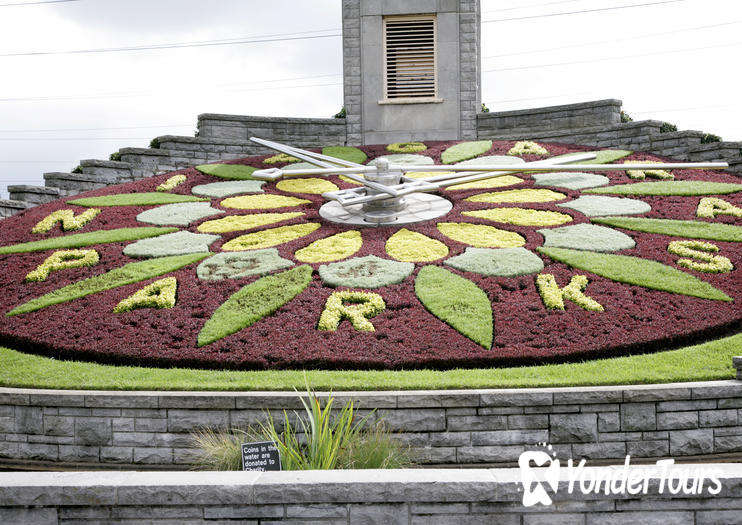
(707, 361)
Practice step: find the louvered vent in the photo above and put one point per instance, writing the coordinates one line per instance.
(410, 57)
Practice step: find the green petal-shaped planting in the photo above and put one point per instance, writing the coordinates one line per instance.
(220, 190)
(587, 237)
(135, 199)
(604, 156)
(670, 188)
(79, 240)
(178, 243)
(365, 272)
(253, 302)
(239, 265)
(129, 274)
(348, 153)
(689, 229)
(636, 271)
(181, 214)
(457, 302)
(600, 205)
(570, 180)
(269, 238)
(227, 171)
(405, 159)
(502, 262)
(465, 151)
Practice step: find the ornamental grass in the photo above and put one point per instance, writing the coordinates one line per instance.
(320, 439)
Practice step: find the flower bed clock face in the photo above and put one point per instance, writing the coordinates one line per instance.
(207, 267)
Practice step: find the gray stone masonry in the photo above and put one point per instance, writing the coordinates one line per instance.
(225, 137)
(34, 195)
(467, 426)
(11, 207)
(388, 497)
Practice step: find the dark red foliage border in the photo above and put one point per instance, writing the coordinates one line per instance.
(406, 336)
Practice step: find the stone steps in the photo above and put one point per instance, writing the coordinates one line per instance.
(72, 183)
(10, 207)
(33, 194)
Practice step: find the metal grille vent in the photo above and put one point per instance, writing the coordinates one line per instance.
(409, 50)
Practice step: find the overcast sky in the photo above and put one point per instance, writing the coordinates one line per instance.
(676, 61)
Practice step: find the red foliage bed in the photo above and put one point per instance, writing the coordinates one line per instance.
(636, 319)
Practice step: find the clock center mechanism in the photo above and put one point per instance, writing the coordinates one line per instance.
(389, 195)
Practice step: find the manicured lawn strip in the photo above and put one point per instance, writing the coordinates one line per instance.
(135, 199)
(640, 272)
(457, 302)
(128, 274)
(253, 302)
(465, 151)
(683, 188)
(227, 171)
(79, 240)
(705, 362)
(688, 229)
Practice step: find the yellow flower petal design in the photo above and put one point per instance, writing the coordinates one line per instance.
(269, 238)
(521, 216)
(409, 246)
(245, 222)
(331, 248)
(524, 195)
(310, 185)
(426, 174)
(480, 235)
(262, 202)
(495, 182)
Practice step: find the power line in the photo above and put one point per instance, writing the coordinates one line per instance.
(582, 11)
(93, 129)
(686, 109)
(149, 93)
(178, 45)
(29, 139)
(37, 3)
(606, 59)
(583, 44)
(532, 5)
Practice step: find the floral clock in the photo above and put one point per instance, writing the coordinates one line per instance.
(209, 267)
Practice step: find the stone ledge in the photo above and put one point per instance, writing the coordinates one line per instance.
(551, 109)
(273, 120)
(24, 188)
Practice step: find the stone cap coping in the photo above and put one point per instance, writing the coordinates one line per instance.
(684, 133)
(79, 177)
(552, 109)
(21, 205)
(717, 145)
(280, 120)
(377, 399)
(145, 151)
(737, 362)
(25, 188)
(312, 486)
(521, 133)
(105, 163)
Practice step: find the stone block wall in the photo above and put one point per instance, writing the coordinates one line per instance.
(388, 497)
(447, 427)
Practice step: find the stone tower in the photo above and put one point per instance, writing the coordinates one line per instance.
(411, 69)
